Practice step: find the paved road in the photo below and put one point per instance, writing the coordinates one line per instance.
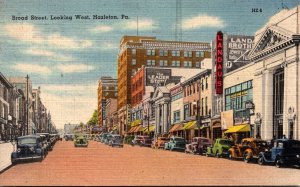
(102, 165)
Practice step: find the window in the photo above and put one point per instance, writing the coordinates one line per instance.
(198, 64)
(187, 54)
(187, 64)
(202, 110)
(199, 53)
(133, 51)
(151, 52)
(133, 61)
(186, 111)
(175, 53)
(206, 83)
(206, 106)
(202, 84)
(176, 117)
(150, 62)
(163, 52)
(163, 63)
(176, 63)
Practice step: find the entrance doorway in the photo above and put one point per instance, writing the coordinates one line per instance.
(278, 97)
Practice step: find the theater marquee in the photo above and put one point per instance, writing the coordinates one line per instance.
(219, 63)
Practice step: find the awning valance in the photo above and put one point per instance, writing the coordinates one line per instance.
(238, 128)
(138, 128)
(136, 122)
(151, 128)
(190, 125)
(176, 127)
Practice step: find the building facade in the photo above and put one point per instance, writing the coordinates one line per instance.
(107, 88)
(136, 51)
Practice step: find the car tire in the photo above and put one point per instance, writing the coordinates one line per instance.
(230, 156)
(217, 154)
(246, 158)
(278, 164)
(260, 160)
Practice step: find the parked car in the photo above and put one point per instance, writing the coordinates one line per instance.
(144, 141)
(160, 142)
(283, 153)
(80, 141)
(28, 148)
(248, 149)
(69, 137)
(198, 145)
(220, 148)
(107, 138)
(47, 140)
(175, 143)
(116, 140)
(103, 137)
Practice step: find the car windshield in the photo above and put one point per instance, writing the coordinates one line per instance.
(22, 141)
(261, 144)
(179, 139)
(294, 145)
(226, 142)
(117, 137)
(205, 140)
(164, 139)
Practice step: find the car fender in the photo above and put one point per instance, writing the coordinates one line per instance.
(249, 151)
(231, 151)
(14, 155)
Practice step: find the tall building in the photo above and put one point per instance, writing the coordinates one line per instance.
(136, 51)
(107, 88)
(25, 85)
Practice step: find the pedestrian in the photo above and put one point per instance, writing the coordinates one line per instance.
(284, 137)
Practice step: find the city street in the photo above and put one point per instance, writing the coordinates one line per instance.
(102, 165)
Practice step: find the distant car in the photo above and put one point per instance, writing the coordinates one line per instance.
(103, 137)
(80, 141)
(175, 143)
(116, 140)
(28, 148)
(220, 148)
(107, 138)
(47, 140)
(69, 137)
(283, 153)
(248, 149)
(198, 145)
(159, 143)
(143, 141)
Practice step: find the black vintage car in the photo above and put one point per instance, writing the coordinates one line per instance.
(47, 139)
(28, 148)
(283, 153)
(115, 140)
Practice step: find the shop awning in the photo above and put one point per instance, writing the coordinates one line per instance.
(190, 125)
(151, 128)
(136, 122)
(176, 127)
(138, 128)
(238, 128)
(115, 127)
(131, 129)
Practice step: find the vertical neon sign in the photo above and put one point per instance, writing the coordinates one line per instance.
(219, 63)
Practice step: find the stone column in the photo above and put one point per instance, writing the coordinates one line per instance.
(165, 117)
(267, 122)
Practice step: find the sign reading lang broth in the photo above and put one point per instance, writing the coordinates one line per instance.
(238, 48)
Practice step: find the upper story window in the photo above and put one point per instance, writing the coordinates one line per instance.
(198, 64)
(133, 61)
(187, 54)
(175, 53)
(187, 64)
(163, 52)
(206, 82)
(151, 52)
(163, 63)
(133, 51)
(150, 62)
(199, 53)
(175, 63)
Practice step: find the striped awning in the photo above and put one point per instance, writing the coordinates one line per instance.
(151, 128)
(190, 125)
(176, 127)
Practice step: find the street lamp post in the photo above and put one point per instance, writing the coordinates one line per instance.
(198, 110)
(27, 105)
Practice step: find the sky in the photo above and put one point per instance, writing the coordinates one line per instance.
(67, 57)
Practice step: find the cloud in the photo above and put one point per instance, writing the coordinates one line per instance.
(143, 24)
(74, 68)
(66, 108)
(106, 46)
(101, 28)
(202, 21)
(31, 34)
(32, 68)
(47, 53)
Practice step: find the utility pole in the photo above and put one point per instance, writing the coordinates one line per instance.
(27, 105)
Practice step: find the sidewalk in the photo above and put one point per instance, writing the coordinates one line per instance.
(5, 151)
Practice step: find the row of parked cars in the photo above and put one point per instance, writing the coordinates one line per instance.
(33, 147)
(280, 152)
(113, 140)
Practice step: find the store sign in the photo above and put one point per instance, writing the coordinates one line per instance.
(226, 119)
(160, 77)
(238, 48)
(249, 105)
(176, 90)
(238, 94)
(219, 63)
